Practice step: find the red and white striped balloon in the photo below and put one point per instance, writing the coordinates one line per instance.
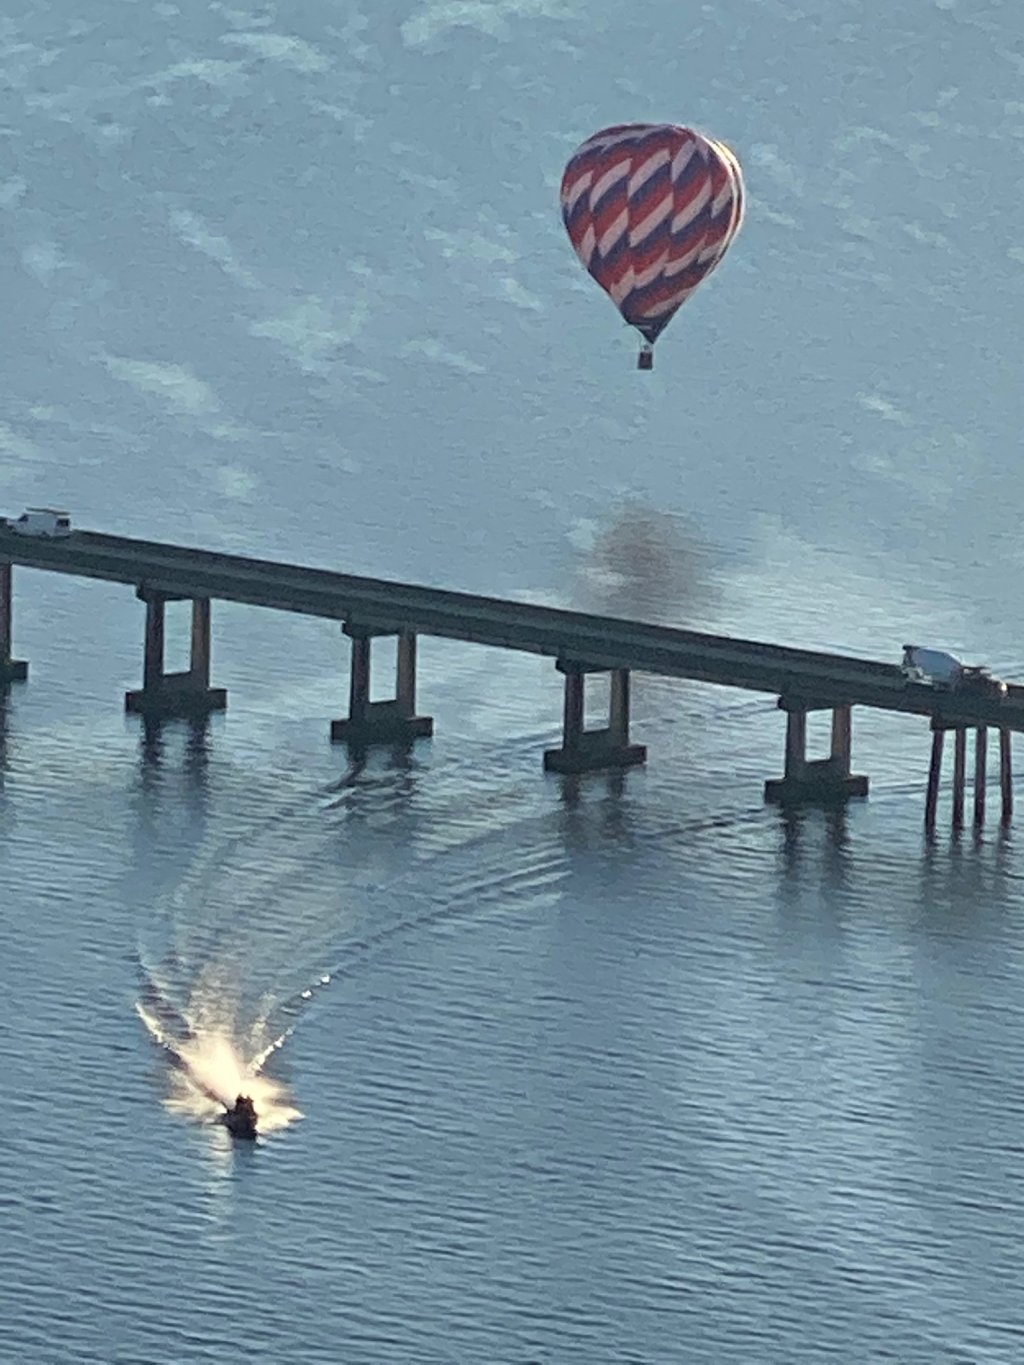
(651, 209)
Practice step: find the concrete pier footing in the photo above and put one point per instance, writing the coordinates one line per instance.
(822, 781)
(11, 670)
(586, 750)
(166, 696)
(381, 722)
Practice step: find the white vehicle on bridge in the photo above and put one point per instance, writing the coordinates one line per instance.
(937, 668)
(42, 521)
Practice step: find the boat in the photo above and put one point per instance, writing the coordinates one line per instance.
(240, 1119)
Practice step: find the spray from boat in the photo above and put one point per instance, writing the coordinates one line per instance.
(213, 1057)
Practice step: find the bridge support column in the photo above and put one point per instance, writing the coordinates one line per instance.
(1005, 776)
(959, 775)
(586, 750)
(980, 774)
(821, 781)
(381, 722)
(165, 696)
(931, 805)
(11, 670)
(931, 802)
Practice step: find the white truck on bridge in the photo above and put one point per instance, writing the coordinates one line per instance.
(48, 522)
(938, 668)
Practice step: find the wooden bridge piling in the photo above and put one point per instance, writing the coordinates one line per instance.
(939, 726)
(980, 774)
(167, 696)
(1006, 776)
(959, 774)
(380, 722)
(11, 670)
(931, 803)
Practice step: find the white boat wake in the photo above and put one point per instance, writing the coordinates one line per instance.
(213, 1059)
(271, 911)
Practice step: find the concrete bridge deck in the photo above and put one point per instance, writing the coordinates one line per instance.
(604, 642)
(803, 680)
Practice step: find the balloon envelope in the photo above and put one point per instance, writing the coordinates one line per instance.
(651, 209)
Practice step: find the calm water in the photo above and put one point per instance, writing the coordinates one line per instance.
(631, 1069)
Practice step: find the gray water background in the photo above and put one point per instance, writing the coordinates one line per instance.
(628, 1070)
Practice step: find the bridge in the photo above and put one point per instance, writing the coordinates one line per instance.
(580, 644)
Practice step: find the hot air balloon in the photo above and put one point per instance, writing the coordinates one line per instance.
(651, 209)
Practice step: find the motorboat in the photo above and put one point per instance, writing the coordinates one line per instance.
(240, 1119)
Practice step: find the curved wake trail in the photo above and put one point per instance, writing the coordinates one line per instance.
(274, 909)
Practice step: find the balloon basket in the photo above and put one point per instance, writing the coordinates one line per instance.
(645, 360)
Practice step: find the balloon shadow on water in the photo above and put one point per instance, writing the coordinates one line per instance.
(644, 563)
